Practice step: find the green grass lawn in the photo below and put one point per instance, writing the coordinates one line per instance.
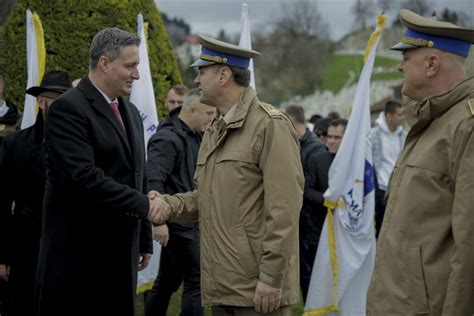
(338, 68)
(175, 306)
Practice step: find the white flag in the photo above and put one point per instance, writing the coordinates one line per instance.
(143, 95)
(36, 61)
(246, 39)
(346, 251)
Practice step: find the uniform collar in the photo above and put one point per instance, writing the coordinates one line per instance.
(433, 107)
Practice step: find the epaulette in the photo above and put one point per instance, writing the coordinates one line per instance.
(470, 105)
(271, 111)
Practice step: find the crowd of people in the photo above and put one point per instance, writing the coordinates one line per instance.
(231, 187)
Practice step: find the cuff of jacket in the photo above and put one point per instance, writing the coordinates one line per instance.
(272, 281)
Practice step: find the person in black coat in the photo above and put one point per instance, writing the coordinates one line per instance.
(10, 116)
(316, 183)
(95, 233)
(172, 157)
(21, 200)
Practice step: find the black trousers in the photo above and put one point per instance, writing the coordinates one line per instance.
(307, 256)
(179, 263)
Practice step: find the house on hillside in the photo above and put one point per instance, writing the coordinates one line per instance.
(188, 51)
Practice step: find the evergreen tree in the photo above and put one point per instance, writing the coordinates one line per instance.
(69, 27)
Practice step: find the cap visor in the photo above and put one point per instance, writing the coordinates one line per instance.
(402, 46)
(202, 63)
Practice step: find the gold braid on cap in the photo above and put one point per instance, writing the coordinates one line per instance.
(417, 42)
(216, 59)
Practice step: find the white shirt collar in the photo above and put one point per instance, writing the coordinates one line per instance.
(105, 96)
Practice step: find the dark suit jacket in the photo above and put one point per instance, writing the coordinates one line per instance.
(315, 184)
(22, 174)
(94, 221)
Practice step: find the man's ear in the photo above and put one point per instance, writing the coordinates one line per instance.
(103, 63)
(224, 75)
(432, 63)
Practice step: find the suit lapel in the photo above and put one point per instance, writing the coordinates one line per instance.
(131, 127)
(99, 104)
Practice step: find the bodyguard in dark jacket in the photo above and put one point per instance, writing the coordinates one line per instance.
(172, 157)
(316, 183)
(95, 235)
(310, 146)
(22, 170)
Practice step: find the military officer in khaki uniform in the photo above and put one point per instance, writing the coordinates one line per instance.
(249, 192)
(425, 253)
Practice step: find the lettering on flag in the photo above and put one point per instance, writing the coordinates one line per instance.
(346, 250)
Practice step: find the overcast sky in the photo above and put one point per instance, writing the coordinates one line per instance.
(209, 16)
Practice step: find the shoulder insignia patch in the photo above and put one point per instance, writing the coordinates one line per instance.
(2, 127)
(470, 104)
(271, 111)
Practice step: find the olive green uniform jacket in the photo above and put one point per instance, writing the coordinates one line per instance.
(249, 194)
(425, 252)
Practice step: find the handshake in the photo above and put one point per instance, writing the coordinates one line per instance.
(159, 211)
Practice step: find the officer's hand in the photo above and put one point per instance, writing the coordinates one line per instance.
(161, 234)
(267, 298)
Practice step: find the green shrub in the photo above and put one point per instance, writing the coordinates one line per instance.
(69, 27)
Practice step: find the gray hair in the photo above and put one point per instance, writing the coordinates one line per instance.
(109, 43)
(190, 101)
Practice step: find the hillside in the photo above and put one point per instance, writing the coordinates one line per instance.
(344, 70)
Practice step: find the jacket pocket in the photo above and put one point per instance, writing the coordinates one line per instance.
(247, 259)
(246, 156)
(431, 162)
(416, 285)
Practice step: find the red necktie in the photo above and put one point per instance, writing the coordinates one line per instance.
(114, 106)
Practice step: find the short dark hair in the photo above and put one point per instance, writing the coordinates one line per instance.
(391, 106)
(334, 115)
(241, 75)
(314, 118)
(338, 122)
(321, 126)
(296, 112)
(109, 42)
(179, 89)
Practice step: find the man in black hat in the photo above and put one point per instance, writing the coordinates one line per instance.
(22, 174)
(425, 252)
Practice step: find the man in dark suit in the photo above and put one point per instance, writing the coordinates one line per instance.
(316, 176)
(22, 170)
(95, 230)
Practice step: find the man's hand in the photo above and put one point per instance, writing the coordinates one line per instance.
(144, 260)
(267, 299)
(4, 271)
(153, 194)
(161, 234)
(159, 210)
